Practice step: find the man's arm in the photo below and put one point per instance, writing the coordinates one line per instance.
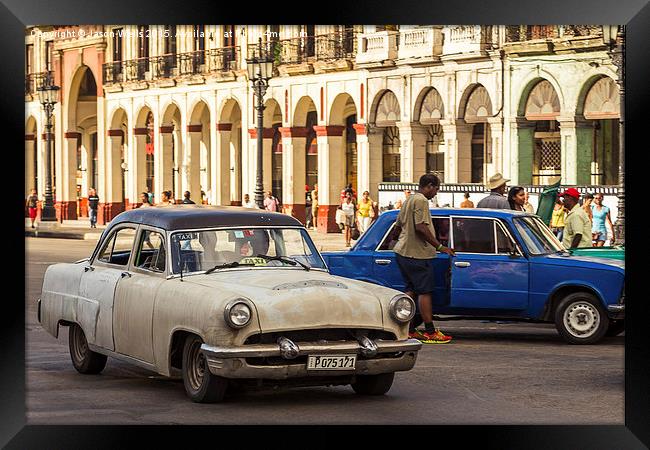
(423, 230)
(576, 240)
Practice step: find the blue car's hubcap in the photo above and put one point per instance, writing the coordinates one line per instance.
(581, 319)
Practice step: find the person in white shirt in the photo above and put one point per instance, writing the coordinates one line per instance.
(248, 203)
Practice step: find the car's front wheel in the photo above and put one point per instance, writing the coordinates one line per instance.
(373, 384)
(83, 359)
(200, 385)
(580, 319)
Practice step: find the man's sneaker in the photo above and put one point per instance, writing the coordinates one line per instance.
(417, 334)
(436, 337)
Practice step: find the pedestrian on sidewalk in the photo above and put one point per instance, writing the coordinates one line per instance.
(557, 219)
(414, 251)
(577, 226)
(248, 203)
(93, 204)
(187, 200)
(144, 200)
(270, 202)
(308, 207)
(314, 205)
(467, 203)
(32, 206)
(517, 198)
(601, 214)
(496, 199)
(587, 201)
(366, 212)
(349, 211)
(165, 199)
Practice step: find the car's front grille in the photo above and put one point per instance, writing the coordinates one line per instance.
(321, 334)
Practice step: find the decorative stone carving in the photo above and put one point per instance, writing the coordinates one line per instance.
(432, 108)
(543, 102)
(603, 100)
(388, 110)
(479, 106)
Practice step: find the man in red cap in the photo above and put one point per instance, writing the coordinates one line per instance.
(577, 226)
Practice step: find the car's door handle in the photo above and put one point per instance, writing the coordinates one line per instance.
(89, 269)
(462, 264)
(126, 274)
(382, 262)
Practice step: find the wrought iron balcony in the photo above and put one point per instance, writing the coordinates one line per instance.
(171, 65)
(521, 33)
(325, 47)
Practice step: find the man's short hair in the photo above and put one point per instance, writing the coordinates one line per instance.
(428, 179)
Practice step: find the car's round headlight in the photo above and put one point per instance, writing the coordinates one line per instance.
(402, 308)
(238, 313)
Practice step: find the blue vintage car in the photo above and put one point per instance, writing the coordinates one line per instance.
(508, 265)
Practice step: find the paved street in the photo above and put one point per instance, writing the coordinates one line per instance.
(491, 373)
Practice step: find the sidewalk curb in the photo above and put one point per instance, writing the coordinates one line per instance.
(62, 235)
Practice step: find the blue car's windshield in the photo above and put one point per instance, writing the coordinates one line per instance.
(536, 236)
(199, 251)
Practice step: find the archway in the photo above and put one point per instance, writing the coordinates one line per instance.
(80, 145)
(227, 172)
(343, 117)
(387, 114)
(541, 110)
(601, 108)
(475, 111)
(429, 114)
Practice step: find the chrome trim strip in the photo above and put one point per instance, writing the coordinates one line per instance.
(309, 348)
(616, 308)
(125, 358)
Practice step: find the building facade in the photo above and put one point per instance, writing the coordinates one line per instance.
(170, 107)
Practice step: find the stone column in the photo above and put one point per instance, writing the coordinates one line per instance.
(113, 200)
(138, 167)
(67, 197)
(192, 173)
(163, 175)
(331, 175)
(576, 136)
(522, 148)
(30, 169)
(363, 158)
(294, 167)
(221, 169)
(495, 150)
(413, 139)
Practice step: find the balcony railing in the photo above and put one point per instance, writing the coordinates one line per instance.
(324, 47)
(377, 47)
(468, 39)
(420, 42)
(33, 81)
(171, 65)
(522, 33)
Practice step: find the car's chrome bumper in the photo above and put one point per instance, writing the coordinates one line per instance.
(616, 311)
(231, 362)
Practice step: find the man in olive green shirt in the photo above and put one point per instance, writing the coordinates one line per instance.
(414, 251)
(577, 226)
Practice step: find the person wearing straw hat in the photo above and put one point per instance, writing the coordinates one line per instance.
(496, 199)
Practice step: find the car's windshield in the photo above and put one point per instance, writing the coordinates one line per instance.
(200, 251)
(536, 235)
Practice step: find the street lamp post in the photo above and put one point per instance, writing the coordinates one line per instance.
(260, 71)
(617, 55)
(48, 94)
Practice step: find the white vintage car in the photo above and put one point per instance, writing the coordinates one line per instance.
(225, 295)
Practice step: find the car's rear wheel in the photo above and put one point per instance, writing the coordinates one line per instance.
(373, 384)
(83, 359)
(616, 327)
(200, 385)
(580, 319)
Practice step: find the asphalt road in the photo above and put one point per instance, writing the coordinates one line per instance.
(491, 373)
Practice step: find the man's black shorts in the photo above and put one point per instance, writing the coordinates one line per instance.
(418, 274)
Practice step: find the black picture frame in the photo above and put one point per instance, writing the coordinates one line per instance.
(15, 15)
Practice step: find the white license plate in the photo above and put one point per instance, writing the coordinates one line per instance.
(331, 362)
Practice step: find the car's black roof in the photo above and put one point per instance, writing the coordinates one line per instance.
(183, 217)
